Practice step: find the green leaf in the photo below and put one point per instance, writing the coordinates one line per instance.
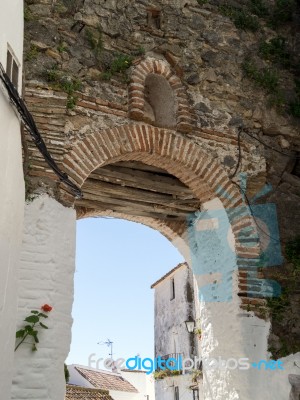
(20, 333)
(32, 333)
(32, 319)
(28, 328)
(34, 348)
(43, 315)
(34, 312)
(43, 326)
(36, 339)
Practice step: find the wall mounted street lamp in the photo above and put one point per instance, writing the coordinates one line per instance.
(190, 325)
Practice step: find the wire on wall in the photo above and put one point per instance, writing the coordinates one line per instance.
(31, 127)
(239, 155)
(270, 147)
(241, 189)
(260, 228)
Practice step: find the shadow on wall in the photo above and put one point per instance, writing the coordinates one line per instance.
(157, 110)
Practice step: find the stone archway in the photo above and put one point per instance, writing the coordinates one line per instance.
(47, 220)
(207, 180)
(178, 155)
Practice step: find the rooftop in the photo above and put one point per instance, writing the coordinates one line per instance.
(106, 380)
(169, 273)
(80, 393)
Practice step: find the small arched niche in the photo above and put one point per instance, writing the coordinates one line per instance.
(160, 106)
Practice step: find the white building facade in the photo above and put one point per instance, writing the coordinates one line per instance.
(176, 301)
(11, 186)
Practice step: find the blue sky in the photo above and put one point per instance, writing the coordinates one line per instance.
(116, 263)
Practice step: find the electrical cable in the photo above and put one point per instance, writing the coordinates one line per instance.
(254, 217)
(241, 190)
(270, 147)
(295, 157)
(31, 127)
(239, 155)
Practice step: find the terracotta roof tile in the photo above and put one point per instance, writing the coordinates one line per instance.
(80, 393)
(106, 380)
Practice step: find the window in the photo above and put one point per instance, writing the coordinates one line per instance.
(154, 19)
(176, 393)
(172, 293)
(195, 394)
(12, 68)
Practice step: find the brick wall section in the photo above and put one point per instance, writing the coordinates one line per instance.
(99, 131)
(60, 128)
(180, 157)
(185, 118)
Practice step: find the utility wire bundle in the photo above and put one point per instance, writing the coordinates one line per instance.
(31, 127)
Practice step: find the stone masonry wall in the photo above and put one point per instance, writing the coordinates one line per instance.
(85, 67)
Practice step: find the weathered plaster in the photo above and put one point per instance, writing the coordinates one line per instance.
(170, 333)
(164, 389)
(228, 332)
(11, 193)
(46, 275)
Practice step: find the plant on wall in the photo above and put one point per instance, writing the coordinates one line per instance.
(197, 374)
(33, 323)
(67, 373)
(119, 65)
(292, 252)
(198, 332)
(166, 373)
(66, 83)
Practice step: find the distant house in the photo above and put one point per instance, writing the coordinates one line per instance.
(176, 303)
(123, 385)
(82, 393)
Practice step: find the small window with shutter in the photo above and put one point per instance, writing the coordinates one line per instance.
(12, 68)
(176, 393)
(172, 289)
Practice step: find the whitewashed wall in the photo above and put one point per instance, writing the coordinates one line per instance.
(164, 388)
(11, 194)
(46, 275)
(143, 382)
(170, 333)
(118, 395)
(229, 332)
(76, 378)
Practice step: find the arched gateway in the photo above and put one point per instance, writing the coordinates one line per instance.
(209, 183)
(143, 105)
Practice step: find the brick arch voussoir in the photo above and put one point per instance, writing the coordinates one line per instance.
(151, 66)
(136, 91)
(178, 154)
(180, 157)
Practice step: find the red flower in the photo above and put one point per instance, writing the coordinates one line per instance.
(46, 308)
